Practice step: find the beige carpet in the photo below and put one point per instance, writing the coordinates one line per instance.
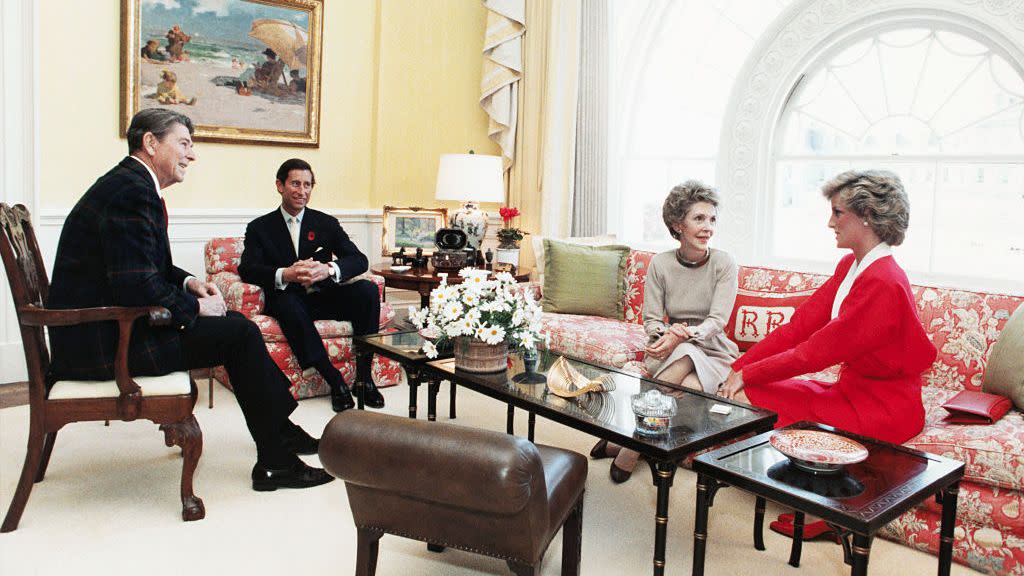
(109, 505)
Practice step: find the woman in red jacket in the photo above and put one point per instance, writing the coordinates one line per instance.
(863, 318)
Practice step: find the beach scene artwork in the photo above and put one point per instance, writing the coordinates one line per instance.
(241, 69)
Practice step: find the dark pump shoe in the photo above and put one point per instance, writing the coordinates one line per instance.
(299, 442)
(298, 475)
(341, 399)
(371, 396)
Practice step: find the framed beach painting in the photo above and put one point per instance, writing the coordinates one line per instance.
(242, 70)
(411, 228)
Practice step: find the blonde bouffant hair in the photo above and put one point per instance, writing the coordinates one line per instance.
(877, 197)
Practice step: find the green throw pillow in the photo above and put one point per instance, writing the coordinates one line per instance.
(1004, 374)
(584, 279)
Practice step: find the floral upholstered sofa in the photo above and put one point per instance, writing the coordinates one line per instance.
(963, 325)
(222, 256)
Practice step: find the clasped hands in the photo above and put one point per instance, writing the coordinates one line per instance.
(662, 347)
(211, 301)
(306, 272)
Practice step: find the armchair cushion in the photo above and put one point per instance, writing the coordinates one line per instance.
(167, 385)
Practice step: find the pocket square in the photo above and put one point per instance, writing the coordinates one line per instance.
(970, 407)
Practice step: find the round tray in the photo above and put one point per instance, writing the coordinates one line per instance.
(818, 452)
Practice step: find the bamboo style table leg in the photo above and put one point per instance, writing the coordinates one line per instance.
(663, 474)
(949, 496)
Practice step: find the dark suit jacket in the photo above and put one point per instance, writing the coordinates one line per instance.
(268, 246)
(114, 251)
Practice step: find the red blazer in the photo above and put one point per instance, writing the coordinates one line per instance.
(877, 338)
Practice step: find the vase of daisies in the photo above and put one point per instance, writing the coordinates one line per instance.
(481, 318)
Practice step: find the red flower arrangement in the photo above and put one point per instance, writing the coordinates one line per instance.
(507, 234)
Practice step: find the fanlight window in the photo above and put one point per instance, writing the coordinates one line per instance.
(940, 108)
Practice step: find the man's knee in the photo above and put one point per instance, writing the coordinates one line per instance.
(366, 291)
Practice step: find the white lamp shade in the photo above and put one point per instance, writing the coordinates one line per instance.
(476, 177)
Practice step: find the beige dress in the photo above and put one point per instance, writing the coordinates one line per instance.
(703, 297)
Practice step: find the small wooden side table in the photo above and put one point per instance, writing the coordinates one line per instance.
(423, 280)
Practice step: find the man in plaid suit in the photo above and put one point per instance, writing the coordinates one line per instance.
(114, 251)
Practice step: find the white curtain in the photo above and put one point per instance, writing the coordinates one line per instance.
(541, 180)
(503, 67)
(590, 201)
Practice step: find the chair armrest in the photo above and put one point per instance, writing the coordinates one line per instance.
(32, 315)
(249, 299)
(129, 401)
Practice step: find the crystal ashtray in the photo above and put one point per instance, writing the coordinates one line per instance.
(654, 412)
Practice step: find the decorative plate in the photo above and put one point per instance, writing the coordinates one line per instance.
(817, 451)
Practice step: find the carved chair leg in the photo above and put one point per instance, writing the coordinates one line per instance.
(520, 569)
(29, 471)
(572, 540)
(47, 450)
(189, 437)
(367, 545)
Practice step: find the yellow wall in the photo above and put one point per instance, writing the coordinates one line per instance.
(428, 104)
(399, 88)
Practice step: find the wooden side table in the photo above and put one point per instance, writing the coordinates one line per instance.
(423, 280)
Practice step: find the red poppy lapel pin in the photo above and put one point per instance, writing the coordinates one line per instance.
(311, 236)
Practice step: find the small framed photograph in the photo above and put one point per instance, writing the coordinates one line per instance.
(244, 71)
(411, 228)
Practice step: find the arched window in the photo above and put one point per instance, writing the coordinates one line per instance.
(939, 105)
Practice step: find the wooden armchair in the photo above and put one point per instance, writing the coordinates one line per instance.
(166, 400)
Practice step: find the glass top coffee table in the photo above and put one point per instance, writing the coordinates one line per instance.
(856, 501)
(404, 347)
(609, 415)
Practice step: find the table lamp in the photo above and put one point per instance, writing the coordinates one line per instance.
(472, 179)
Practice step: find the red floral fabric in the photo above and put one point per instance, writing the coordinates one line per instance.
(594, 339)
(637, 264)
(222, 256)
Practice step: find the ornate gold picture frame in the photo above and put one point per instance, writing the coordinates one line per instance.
(242, 70)
(411, 228)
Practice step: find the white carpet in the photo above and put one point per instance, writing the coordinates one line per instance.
(109, 505)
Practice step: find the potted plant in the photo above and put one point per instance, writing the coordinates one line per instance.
(481, 318)
(507, 254)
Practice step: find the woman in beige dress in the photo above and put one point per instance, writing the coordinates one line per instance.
(688, 296)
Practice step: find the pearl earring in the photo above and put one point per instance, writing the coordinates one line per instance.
(865, 222)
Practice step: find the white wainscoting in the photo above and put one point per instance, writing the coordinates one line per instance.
(189, 232)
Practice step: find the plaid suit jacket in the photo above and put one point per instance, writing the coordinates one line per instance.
(114, 251)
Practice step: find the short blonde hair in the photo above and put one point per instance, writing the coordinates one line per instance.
(877, 197)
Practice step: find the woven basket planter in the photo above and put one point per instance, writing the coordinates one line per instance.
(474, 355)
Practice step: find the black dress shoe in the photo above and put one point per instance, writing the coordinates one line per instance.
(341, 399)
(298, 475)
(370, 395)
(297, 441)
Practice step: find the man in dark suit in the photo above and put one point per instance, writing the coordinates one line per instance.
(304, 261)
(114, 251)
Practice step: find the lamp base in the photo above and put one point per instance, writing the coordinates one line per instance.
(471, 220)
